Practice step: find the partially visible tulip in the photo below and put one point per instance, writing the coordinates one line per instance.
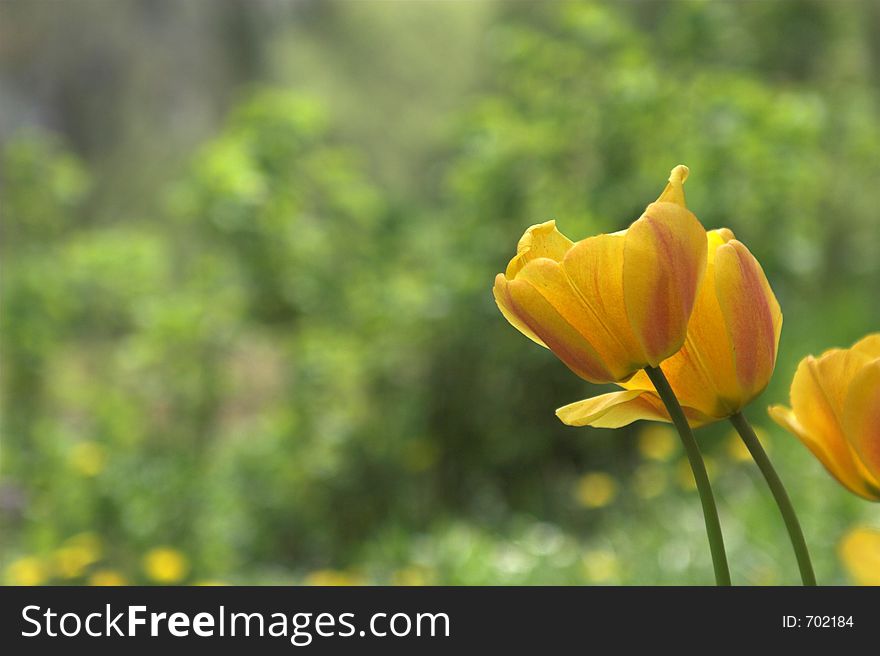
(728, 356)
(612, 304)
(835, 412)
(860, 553)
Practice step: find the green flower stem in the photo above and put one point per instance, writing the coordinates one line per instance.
(707, 499)
(778, 489)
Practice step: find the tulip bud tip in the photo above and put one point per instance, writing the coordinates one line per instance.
(679, 173)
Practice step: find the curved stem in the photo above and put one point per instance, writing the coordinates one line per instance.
(707, 499)
(778, 489)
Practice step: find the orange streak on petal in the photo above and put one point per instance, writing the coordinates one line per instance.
(664, 262)
(505, 303)
(557, 331)
(751, 313)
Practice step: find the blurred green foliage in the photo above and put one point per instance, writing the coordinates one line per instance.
(275, 358)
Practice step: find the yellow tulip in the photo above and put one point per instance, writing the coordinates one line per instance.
(835, 412)
(728, 355)
(612, 304)
(860, 553)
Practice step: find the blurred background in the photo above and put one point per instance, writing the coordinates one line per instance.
(247, 327)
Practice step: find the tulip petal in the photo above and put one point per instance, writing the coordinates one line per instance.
(861, 419)
(617, 409)
(664, 262)
(594, 268)
(542, 298)
(540, 240)
(869, 345)
(829, 379)
(751, 315)
(611, 410)
(502, 298)
(674, 191)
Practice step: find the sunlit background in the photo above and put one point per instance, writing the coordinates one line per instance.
(248, 334)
